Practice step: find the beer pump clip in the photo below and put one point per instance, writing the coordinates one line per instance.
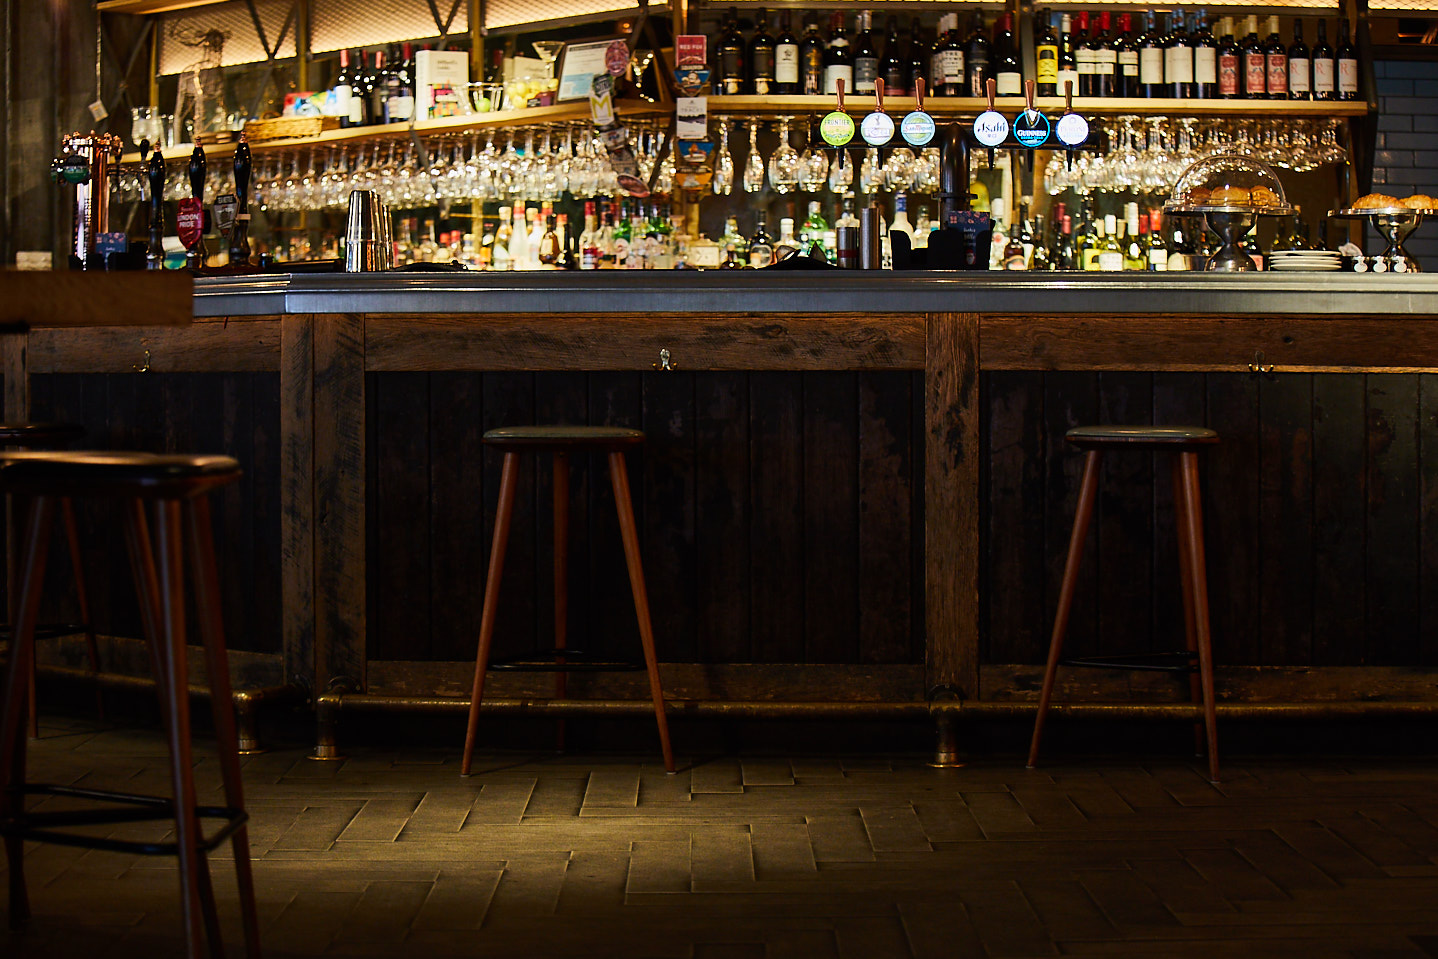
(837, 127)
(917, 127)
(990, 127)
(1031, 128)
(877, 128)
(1071, 128)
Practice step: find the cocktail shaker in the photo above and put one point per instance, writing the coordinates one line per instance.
(368, 239)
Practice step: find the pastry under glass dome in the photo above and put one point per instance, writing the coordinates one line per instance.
(1230, 192)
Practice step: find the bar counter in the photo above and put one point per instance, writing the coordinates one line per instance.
(325, 333)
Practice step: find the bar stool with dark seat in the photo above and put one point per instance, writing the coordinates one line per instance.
(49, 436)
(561, 441)
(177, 488)
(1185, 442)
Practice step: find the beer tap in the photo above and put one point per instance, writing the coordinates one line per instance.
(190, 220)
(155, 173)
(239, 233)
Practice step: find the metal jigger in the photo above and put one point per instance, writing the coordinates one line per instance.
(240, 232)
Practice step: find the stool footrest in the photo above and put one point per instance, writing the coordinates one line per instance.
(46, 826)
(1181, 661)
(573, 661)
(49, 630)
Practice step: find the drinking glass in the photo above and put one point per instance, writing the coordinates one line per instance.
(723, 181)
(841, 172)
(784, 164)
(754, 166)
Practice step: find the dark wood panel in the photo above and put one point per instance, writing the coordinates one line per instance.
(212, 345)
(509, 401)
(1124, 521)
(398, 501)
(296, 496)
(832, 483)
(1392, 583)
(886, 528)
(665, 494)
(1070, 400)
(1208, 343)
(632, 341)
(1231, 520)
(1285, 524)
(776, 538)
(615, 399)
(459, 550)
(1237, 684)
(1179, 399)
(64, 298)
(1428, 519)
(721, 515)
(1340, 481)
(1015, 549)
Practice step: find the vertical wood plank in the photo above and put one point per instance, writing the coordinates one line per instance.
(1179, 399)
(1340, 533)
(1231, 515)
(885, 517)
(1015, 493)
(832, 484)
(340, 430)
(721, 510)
(458, 549)
(1392, 571)
(1124, 524)
(562, 398)
(297, 497)
(615, 399)
(951, 501)
(1070, 400)
(13, 350)
(1428, 518)
(509, 401)
(1285, 527)
(399, 564)
(667, 491)
(262, 393)
(776, 543)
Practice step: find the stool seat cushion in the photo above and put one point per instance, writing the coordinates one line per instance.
(38, 434)
(98, 471)
(1130, 437)
(595, 437)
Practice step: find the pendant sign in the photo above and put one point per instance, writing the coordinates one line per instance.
(616, 58)
(1072, 130)
(1031, 128)
(990, 128)
(877, 129)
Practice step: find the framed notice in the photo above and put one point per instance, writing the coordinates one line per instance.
(579, 64)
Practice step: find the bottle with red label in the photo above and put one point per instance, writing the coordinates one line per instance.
(1324, 86)
(1347, 58)
(1276, 56)
(1230, 62)
(1255, 63)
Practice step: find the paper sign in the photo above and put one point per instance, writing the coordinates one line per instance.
(225, 207)
(691, 50)
(693, 156)
(601, 102)
(616, 58)
(693, 118)
(692, 80)
(98, 111)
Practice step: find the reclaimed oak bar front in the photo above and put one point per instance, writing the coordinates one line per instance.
(941, 342)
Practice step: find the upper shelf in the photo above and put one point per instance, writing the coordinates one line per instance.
(774, 106)
(142, 7)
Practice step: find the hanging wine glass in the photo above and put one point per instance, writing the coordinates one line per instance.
(784, 164)
(754, 166)
(841, 172)
(723, 181)
(871, 172)
(813, 166)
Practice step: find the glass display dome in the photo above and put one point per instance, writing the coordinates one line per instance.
(1228, 183)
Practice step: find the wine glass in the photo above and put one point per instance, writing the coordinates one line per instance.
(813, 167)
(784, 164)
(841, 172)
(723, 180)
(754, 166)
(871, 172)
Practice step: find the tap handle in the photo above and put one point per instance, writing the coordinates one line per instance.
(155, 173)
(919, 92)
(879, 94)
(242, 174)
(197, 173)
(1068, 96)
(992, 89)
(1029, 95)
(839, 87)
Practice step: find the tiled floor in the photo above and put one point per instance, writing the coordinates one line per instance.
(390, 854)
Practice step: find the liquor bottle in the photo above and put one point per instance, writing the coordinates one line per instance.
(1324, 79)
(1230, 62)
(1136, 226)
(761, 246)
(950, 56)
(786, 59)
(916, 59)
(549, 248)
(1178, 60)
(901, 218)
(1090, 238)
(342, 93)
(499, 258)
(787, 244)
(1110, 251)
(1205, 59)
(1125, 46)
(814, 227)
(838, 59)
(1347, 58)
(1026, 236)
(1064, 255)
(934, 64)
(589, 239)
(733, 238)
(729, 57)
(976, 59)
(1013, 254)
(1300, 69)
(519, 239)
(922, 228)
(1008, 77)
(811, 61)
(1083, 55)
(891, 65)
(399, 89)
(377, 89)
(1277, 59)
(1154, 251)
(762, 58)
(866, 57)
(1255, 63)
(1046, 57)
(606, 241)
(1105, 57)
(1068, 61)
(1151, 57)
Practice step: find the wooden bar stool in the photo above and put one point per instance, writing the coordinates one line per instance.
(177, 488)
(1186, 442)
(48, 436)
(561, 441)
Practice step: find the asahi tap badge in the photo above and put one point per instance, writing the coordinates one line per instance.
(837, 128)
(917, 127)
(990, 127)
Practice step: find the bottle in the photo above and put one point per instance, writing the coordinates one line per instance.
(428, 245)
(922, 228)
(934, 65)
(589, 239)
(519, 239)
(838, 59)
(1255, 64)
(787, 244)
(1277, 59)
(761, 247)
(1178, 60)
(499, 255)
(536, 221)
(606, 241)
(342, 93)
(847, 235)
(1083, 55)
(786, 60)
(1068, 61)
(901, 218)
(1091, 244)
(1105, 58)
(1046, 57)
(1325, 81)
(916, 60)
(377, 89)
(1064, 255)
(1347, 58)
(1135, 226)
(1008, 77)
(1205, 59)
(1300, 68)
(1110, 252)
(549, 248)
(762, 58)
(733, 238)
(1125, 46)
(976, 58)
(891, 64)
(1150, 58)
(1155, 253)
(399, 89)
(811, 61)
(952, 60)
(1013, 253)
(866, 57)
(729, 57)
(732, 260)
(1230, 62)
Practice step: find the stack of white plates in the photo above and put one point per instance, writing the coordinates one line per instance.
(1308, 261)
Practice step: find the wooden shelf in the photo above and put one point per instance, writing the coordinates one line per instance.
(143, 7)
(773, 106)
(447, 126)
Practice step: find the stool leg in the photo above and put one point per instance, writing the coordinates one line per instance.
(147, 588)
(1180, 510)
(17, 675)
(619, 478)
(82, 596)
(1088, 491)
(561, 580)
(212, 631)
(502, 516)
(1198, 576)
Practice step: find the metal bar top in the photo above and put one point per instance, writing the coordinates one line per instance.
(820, 291)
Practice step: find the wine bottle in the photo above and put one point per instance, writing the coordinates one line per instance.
(866, 57)
(1125, 45)
(1205, 59)
(1068, 62)
(1105, 57)
(729, 57)
(1150, 58)
(838, 59)
(1324, 81)
(976, 59)
(786, 59)
(1255, 63)
(1083, 55)
(891, 65)
(399, 89)
(376, 89)
(1178, 59)
(1276, 55)
(761, 246)
(1300, 85)
(1046, 57)
(1230, 62)
(762, 58)
(916, 60)
(342, 93)
(1110, 252)
(811, 60)
(1008, 77)
(935, 63)
(1347, 58)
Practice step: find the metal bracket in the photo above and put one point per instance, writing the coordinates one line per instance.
(1258, 366)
